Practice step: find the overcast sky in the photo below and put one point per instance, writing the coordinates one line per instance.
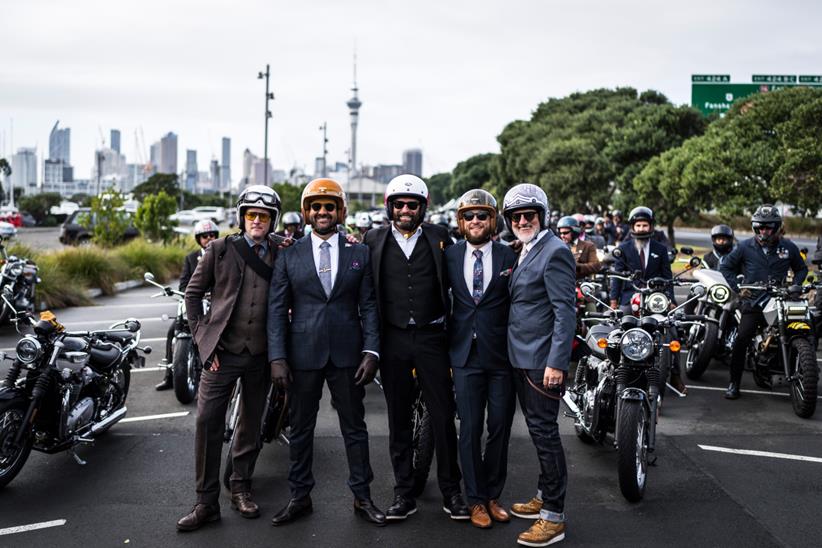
(444, 76)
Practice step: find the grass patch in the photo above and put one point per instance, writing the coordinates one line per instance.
(140, 256)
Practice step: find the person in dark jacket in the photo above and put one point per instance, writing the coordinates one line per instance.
(765, 257)
(722, 239)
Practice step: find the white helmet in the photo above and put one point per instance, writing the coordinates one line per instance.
(377, 218)
(205, 226)
(260, 196)
(526, 195)
(406, 185)
(363, 220)
(292, 218)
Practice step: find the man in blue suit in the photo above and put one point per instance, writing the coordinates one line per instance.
(540, 332)
(332, 337)
(478, 272)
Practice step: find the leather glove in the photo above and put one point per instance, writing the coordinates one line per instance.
(280, 374)
(367, 369)
(745, 293)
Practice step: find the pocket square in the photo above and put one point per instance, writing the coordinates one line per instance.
(355, 265)
(347, 244)
(506, 272)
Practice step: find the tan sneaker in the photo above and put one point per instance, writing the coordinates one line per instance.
(542, 533)
(527, 510)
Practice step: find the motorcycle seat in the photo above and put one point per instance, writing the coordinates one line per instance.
(104, 355)
(122, 337)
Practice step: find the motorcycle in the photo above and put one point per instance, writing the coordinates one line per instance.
(783, 351)
(20, 275)
(74, 389)
(618, 386)
(186, 367)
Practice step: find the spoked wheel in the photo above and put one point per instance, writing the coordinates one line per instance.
(185, 370)
(700, 349)
(12, 456)
(230, 430)
(423, 446)
(806, 376)
(632, 449)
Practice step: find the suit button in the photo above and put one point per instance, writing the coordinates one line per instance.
(410, 288)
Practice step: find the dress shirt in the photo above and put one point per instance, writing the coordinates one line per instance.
(468, 265)
(334, 251)
(406, 244)
(251, 243)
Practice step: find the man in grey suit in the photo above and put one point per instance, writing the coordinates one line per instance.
(540, 332)
(332, 337)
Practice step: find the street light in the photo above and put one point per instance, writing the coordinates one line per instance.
(268, 97)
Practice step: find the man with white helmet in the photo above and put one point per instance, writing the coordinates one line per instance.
(540, 331)
(292, 226)
(411, 284)
(204, 232)
(231, 341)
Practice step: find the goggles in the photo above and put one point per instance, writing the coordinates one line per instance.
(253, 197)
(254, 215)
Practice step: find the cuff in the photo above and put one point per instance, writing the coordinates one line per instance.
(371, 352)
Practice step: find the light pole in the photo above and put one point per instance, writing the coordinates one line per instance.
(324, 129)
(268, 97)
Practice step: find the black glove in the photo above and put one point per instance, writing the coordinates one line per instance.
(367, 369)
(280, 374)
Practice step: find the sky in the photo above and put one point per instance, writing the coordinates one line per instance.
(443, 76)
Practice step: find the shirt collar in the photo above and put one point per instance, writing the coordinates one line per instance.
(399, 235)
(485, 248)
(316, 241)
(252, 243)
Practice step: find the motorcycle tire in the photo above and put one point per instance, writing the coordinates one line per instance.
(4, 312)
(806, 376)
(632, 443)
(185, 371)
(12, 459)
(700, 353)
(423, 447)
(230, 430)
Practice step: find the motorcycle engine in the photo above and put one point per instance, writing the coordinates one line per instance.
(80, 415)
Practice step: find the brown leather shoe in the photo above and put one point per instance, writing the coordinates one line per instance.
(542, 533)
(497, 512)
(199, 516)
(480, 517)
(244, 505)
(527, 510)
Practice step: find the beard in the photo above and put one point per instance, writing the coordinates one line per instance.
(332, 226)
(480, 239)
(525, 238)
(411, 225)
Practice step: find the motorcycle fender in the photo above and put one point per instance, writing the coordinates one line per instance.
(798, 326)
(633, 394)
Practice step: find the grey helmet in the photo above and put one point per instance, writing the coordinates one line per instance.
(766, 215)
(292, 218)
(526, 195)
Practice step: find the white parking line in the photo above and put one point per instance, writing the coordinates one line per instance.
(32, 527)
(759, 453)
(144, 369)
(155, 417)
(761, 392)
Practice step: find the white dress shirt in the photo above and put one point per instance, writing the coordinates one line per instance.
(406, 244)
(334, 251)
(468, 266)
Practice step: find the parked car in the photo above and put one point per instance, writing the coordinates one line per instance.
(7, 230)
(215, 213)
(184, 217)
(28, 220)
(79, 228)
(11, 216)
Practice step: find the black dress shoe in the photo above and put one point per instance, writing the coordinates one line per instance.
(294, 509)
(401, 508)
(732, 393)
(455, 507)
(167, 384)
(199, 516)
(366, 510)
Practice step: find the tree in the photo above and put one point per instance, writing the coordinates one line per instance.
(438, 188)
(152, 217)
(39, 205)
(165, 182)
(290, 196)
(475, 172)
(110, 220)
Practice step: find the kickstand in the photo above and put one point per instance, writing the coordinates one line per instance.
(77, 458)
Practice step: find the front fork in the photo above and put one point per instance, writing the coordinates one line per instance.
(41, 386)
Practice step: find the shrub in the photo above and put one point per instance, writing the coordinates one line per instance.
(152, 218)
(140, 256)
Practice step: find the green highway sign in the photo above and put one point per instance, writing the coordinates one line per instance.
(708, 78)
(718, 98)
(808, 79)
(773, 79)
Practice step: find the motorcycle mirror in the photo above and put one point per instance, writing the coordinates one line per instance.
(148, 276)
(673, 250)
(132, 325)
(687, 250)
(699, 290)
(695, 262)
(587, 289)
(146, 350)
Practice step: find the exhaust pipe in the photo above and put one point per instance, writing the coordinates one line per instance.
(109, 421)
(569, 401)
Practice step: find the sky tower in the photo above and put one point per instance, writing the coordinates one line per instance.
(354, 105)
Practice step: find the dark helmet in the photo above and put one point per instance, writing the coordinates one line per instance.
(766, 215)
(617, 213)
(724, 231)
(641, 213)
(569, 222)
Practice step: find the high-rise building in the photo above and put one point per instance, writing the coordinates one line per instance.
(384, 172)
(115, 140)
(248, 163)
(412, 161)
(214, 175)
(24, 170)
(168, 154)
(354, 105)
(225, 167)
(190, 184)
(60, 144)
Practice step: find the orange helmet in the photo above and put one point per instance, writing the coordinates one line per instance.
(323, 188)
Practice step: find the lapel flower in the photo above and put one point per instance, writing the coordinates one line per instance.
(355, 265)
(347, 244)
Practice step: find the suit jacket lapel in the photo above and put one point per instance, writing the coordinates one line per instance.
(496, 268)
(530, 256)
(376, 257)
(436, 250)
(343, 260)
(305, 250)
(458, 265)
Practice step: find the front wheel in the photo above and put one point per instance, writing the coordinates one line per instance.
(701, 350)
(632, 449)
(805, 378)
(423, 446)
(12, 457)
(185, 370)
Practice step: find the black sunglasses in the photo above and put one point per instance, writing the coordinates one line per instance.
(529, 216)
(480, 215)
(329, 207)
(398, 204)
(564, 232)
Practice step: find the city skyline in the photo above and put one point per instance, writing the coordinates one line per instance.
(443, 78)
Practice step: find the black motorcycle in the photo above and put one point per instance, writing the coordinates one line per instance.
(618, 386)
(185, 365)
(20, 275)
(74, 388)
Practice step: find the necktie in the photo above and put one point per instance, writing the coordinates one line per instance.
(325, 267)
(258, 250)
(523, 254)
(642, 257)
(477, 293)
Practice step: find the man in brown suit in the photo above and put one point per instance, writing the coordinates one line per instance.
(585, 253)
(232, 342)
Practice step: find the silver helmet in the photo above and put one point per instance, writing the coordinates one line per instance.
(526, 195)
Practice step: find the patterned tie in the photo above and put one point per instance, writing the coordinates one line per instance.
(523, 254)
(477, 293)
(325, 267)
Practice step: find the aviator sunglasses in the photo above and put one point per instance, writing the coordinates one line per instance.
(480, 215)
(252, 215)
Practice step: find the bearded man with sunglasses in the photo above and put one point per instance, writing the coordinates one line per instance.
(231, 341)
(765, 257)
(411, 281)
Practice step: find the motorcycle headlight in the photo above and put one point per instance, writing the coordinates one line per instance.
(657, 303)
(719, 294)
(636, 344)
(15, 270)
(28, 349)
